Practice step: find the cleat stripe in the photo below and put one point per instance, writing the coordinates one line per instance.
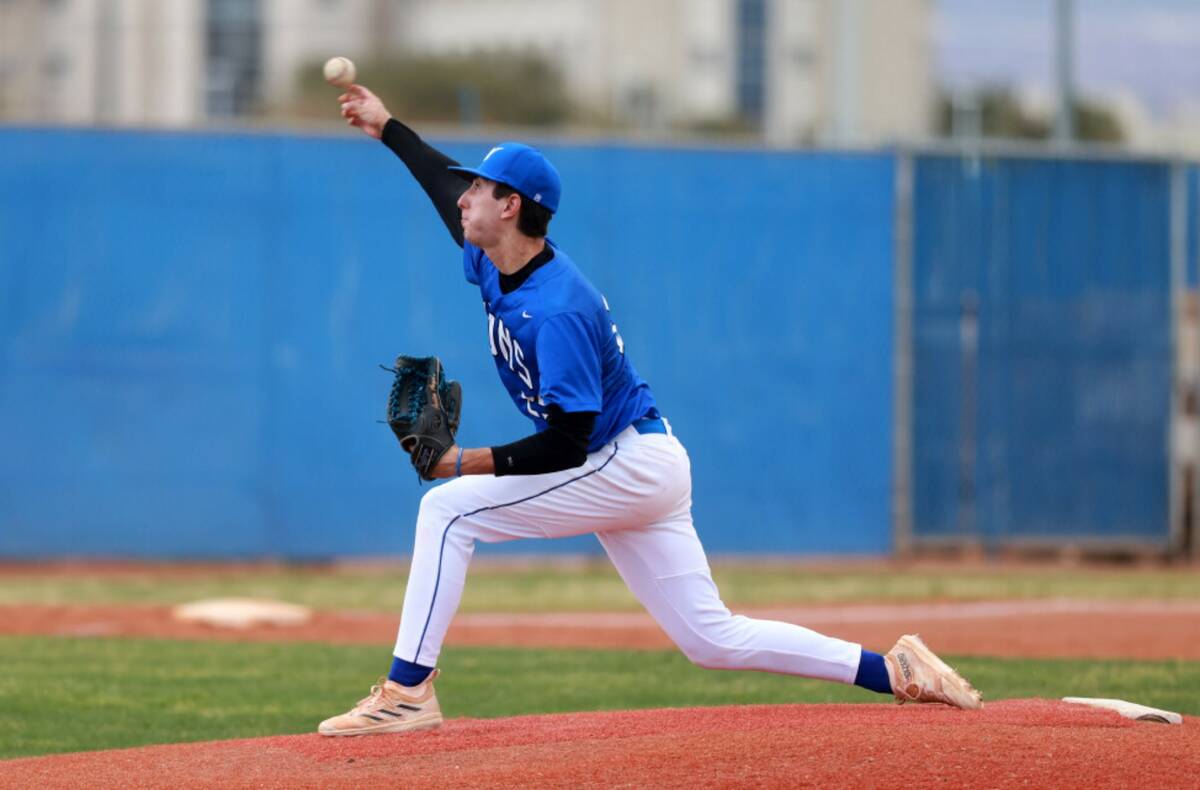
(372, 718)
(391, 713)
(406, 707)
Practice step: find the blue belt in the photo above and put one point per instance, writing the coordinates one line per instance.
(652, 425)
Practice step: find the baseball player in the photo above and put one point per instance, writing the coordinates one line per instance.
(602, 458)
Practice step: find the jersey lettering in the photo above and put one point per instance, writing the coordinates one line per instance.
(505, 346)
(583, 363)
(518, 358)
(503, 340)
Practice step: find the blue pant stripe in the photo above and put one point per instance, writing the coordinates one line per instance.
(442, 549)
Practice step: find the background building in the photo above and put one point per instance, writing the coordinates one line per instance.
(797, 71)
(164, 62)
(111, 62)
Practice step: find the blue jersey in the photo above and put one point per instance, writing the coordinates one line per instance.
(555, 343)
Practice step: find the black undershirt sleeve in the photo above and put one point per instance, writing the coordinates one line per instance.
(561, 446)
(428, 165)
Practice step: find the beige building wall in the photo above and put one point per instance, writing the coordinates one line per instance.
(296, 32)
(47, 62)
(649, 62)
(797, 99)
(663, 63)
(706, 84)
(898, 89)
(568, 33)
(21, 60)
(849, 71)
(109, 62)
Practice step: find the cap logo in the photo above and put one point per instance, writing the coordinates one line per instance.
(538, 197)
(494, 150)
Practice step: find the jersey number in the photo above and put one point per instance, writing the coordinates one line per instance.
(616, 334)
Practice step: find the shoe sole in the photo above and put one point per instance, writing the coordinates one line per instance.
(966, 691)
(427, 722)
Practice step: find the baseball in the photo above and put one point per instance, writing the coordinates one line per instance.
(340, 72)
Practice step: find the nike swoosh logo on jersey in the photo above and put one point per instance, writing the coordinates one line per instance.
(525, 314)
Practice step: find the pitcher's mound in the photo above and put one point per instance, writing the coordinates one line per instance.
(1026, 743)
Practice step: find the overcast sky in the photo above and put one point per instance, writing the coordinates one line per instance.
(1150, 48)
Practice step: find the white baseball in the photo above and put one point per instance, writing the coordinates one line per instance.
(340, 72)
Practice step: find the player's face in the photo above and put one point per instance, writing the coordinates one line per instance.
(483, 213)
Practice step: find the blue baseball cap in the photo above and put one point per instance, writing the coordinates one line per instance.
(524, 169)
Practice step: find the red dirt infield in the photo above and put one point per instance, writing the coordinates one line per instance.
(1012, 743)
(1022, 629)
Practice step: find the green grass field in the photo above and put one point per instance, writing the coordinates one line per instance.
(63, 695)
(595, 586)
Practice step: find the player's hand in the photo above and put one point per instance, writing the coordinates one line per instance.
(363, 109)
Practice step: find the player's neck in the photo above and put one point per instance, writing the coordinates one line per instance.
(513, 251)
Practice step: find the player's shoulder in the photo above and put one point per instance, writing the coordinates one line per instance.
(566, 286)
(565, 297)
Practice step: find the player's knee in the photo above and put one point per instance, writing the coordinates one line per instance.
(435, 499)
(706, 653)
(708, 656)
(435, 511)
(716, 642)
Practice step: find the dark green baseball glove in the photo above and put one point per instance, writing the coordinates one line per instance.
(423, 410)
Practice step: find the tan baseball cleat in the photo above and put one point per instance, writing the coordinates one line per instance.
(389, 707)
(918, 675)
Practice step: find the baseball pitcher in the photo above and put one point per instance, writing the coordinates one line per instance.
(601, 457)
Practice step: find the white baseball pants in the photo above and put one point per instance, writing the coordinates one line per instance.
(635, 494)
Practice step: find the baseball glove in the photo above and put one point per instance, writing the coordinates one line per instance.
(423, 410)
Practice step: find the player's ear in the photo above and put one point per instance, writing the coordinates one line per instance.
(512, 206)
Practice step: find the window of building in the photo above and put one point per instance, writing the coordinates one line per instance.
(751, 58)
(233, 49)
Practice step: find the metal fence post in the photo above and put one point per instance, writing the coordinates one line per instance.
(902, 355)
(1182, 439)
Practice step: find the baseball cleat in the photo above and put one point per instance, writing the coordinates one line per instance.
(389, 707)
(918, 675)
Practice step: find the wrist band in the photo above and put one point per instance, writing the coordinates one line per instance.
(458, 464)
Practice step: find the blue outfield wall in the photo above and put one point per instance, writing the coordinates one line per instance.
(1061, 431)
(190, 327)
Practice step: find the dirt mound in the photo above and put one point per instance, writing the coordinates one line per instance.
(1010, 743)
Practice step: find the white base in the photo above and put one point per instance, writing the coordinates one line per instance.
(1130, 710)
(241, 612)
